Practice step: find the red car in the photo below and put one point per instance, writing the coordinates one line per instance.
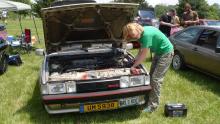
(86, 67)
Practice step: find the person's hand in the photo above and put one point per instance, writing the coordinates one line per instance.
(173, 26)
(135, 71)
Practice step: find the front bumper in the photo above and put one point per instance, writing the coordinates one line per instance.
(65, 103)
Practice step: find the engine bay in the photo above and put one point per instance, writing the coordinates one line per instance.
(111, 63)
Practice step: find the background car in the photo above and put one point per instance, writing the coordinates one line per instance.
(147, 17)
(210, 22)
(86, 65)
(198, 47)
(3, 51)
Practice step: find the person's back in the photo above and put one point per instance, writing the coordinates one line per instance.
(156, 40)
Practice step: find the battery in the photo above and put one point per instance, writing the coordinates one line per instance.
(175, 110)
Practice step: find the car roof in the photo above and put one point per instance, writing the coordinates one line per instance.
(207, 27)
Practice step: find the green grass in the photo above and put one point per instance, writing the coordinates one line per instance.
(20, 100)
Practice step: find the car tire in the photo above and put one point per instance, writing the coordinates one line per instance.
(178, 62)
(3, 64)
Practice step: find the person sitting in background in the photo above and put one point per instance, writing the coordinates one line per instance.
(190, 17)
(165, 22)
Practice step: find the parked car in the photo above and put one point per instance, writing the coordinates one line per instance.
(86, 66)
(210, 22)
(3, 51)
(198, 47)
(147, 17)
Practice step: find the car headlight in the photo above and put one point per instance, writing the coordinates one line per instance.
(57, 88)
(147, 80)
(124, 82)
(44, 89)
(71, 86)
(136, 80)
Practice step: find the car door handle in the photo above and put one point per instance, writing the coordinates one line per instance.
(195, 49)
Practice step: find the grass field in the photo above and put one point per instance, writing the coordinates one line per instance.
(20, 101)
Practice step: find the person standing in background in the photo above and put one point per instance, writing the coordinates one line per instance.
(4, 15)
(165, 22)
(190, 17)
(176, 21)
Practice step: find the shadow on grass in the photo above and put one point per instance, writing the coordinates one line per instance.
(38, 114)
(205, 81)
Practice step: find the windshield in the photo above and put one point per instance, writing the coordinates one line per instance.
(146, 14)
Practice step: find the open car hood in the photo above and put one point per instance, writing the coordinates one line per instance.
(85, 23)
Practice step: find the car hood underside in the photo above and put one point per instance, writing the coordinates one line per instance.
(88, 22)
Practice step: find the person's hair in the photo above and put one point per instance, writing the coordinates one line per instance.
(172, 10)
(188, 5)
(130, 27)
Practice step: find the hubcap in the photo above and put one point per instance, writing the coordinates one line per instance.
(176, 62)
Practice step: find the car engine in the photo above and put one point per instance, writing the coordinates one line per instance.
(101, 65)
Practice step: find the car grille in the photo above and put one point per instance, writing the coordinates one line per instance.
(94, 86)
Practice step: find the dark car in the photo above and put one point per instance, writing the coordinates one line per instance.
(198, 47)
(86, 65)
(3, 51)
(147, 17)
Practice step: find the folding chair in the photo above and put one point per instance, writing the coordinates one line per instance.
(26, 40)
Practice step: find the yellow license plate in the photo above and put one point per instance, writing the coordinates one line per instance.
(100, 106)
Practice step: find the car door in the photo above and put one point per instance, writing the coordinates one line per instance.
(205, 56)
(184, 42)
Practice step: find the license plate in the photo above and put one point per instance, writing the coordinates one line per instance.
(98, 107)
(129, 101)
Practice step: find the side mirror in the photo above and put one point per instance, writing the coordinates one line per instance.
(129, 46)
(40, 52)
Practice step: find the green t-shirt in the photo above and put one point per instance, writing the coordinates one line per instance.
(154, 39)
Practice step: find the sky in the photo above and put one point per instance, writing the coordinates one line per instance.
(167, 2)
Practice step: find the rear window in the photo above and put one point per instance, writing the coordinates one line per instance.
(146, 14)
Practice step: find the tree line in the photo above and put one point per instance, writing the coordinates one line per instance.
(201, 6)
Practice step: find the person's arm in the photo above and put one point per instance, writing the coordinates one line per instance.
(139, 52)
(162, 22)
(141, 57)
(139, 60)
(165, 23)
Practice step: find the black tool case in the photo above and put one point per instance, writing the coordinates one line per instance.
(175, 110)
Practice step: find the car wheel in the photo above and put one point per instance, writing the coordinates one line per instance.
(177, 62)
(3, 64)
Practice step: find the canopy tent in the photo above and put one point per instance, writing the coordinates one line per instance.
(17, 6)
(13, 6)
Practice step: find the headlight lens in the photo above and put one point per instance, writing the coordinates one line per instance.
(137, 80)
(147, 80)
(124, 82)
(57, 88)
(133, 81)
(44, 89)
(71, 86)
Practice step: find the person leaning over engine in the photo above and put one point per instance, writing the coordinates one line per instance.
(153, 39)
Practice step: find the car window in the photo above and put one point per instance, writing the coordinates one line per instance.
(208, 39)
(188, 35)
